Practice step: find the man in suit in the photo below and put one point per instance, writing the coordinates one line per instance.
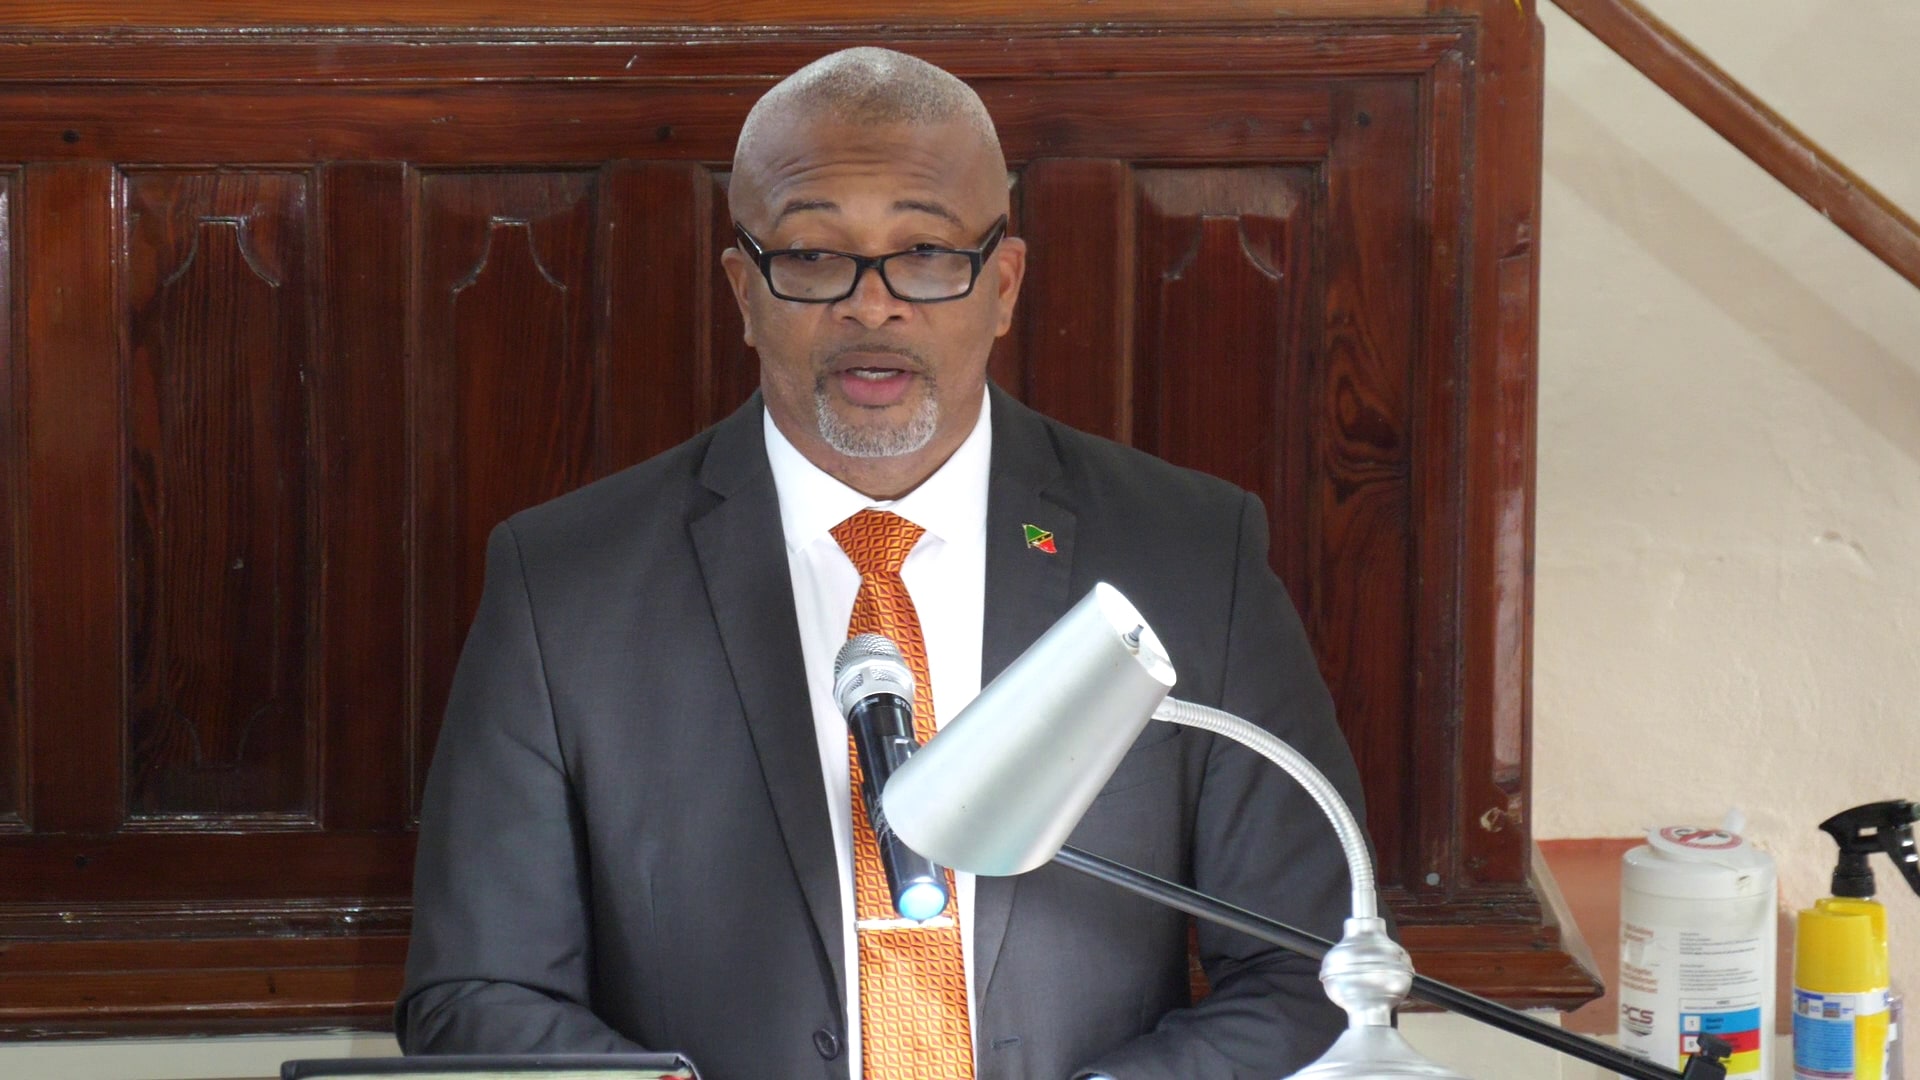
(637, 830)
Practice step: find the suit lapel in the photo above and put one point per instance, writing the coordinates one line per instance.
(749, 586)
(1027, 589)
(743, 560)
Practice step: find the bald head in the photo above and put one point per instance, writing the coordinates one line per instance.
(876, 155)
(862, 87)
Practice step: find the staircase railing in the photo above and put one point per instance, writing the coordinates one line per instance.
(1714, 96)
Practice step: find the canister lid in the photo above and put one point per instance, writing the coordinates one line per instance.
(1697, 863)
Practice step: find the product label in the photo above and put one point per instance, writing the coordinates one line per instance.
(1677, 984)
(1740, 1028)
(1823, 1032)
(1895, 1067)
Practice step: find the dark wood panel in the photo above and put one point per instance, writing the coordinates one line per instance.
(12, 751)
(1224, 282)
(55, 1004)
(1431, 822)
(1524, 941)
(1528, 966)
(1493, 842)
(503, 386)
(1494, 792)
(75, 500)
(1075, 313)
(658, 367)
(74, 988)
(361, 426)
(206, 953)
(734, 369)
(202, 871)
(1362, 564)
(218, 566)
(1007, 363)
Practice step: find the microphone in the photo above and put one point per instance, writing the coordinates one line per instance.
(874, 690)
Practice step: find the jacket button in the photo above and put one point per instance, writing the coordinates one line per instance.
(827, 1043)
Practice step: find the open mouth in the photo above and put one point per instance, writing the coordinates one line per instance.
(874, 387)
(873, 377)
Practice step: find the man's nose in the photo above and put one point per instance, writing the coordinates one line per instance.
(871, 305)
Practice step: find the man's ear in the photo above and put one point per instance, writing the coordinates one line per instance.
(740, 274)
(1010, 265)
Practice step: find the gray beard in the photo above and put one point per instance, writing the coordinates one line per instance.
(855, 442)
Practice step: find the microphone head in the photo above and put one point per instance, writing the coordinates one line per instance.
(869, 664)
(922, 900)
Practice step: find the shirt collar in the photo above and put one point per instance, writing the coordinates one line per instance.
(951, 504)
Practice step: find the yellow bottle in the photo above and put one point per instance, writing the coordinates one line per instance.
(1840, 982)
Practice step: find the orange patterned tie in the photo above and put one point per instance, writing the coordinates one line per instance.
(913, 981)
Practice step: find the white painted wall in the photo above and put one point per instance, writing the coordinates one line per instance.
(1728, 561)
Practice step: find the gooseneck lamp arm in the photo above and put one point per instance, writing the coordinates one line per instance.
(1359, 987)
(1003, 785)
(1366, 900)
(1353, 842)
(1432, 991)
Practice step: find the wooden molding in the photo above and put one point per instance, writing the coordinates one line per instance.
(171, 14)
(123, 970)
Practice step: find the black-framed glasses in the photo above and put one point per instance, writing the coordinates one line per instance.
(922, 275)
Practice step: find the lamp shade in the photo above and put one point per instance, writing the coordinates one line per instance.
(999, 789)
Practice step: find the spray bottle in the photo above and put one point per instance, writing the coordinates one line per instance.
(1841, 981)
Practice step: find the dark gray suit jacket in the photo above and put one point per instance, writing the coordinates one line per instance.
(624, 842)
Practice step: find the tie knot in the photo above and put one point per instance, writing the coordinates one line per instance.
(877, 541)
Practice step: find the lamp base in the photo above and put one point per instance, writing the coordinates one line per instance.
(1374, 1052)
(1432, 991)
(1368, 974)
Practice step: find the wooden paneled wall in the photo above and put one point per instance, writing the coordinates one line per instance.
(289, 320)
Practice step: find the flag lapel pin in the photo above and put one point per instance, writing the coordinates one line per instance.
(1040, 539)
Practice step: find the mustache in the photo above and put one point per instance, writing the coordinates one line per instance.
(832, 357)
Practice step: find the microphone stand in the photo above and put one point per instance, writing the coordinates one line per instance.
(1709, 1064)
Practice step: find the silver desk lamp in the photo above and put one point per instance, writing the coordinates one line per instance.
(1004, 784)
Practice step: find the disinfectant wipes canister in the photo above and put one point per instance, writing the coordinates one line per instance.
(1698, 920)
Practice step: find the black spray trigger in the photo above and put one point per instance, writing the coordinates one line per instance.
(1863, 830)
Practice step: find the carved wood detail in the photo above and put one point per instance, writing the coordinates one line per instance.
(218, 576)
(502, 401)
(365, 778)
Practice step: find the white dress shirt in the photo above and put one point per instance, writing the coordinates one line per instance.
(946, 575)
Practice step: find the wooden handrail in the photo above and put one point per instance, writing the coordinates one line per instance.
(1711, 94)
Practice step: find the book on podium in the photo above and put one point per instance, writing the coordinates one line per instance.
(499, 1067)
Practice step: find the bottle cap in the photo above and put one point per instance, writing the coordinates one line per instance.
(1694, 863)
(1839, 950)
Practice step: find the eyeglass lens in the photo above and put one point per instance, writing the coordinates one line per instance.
(913, 275)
